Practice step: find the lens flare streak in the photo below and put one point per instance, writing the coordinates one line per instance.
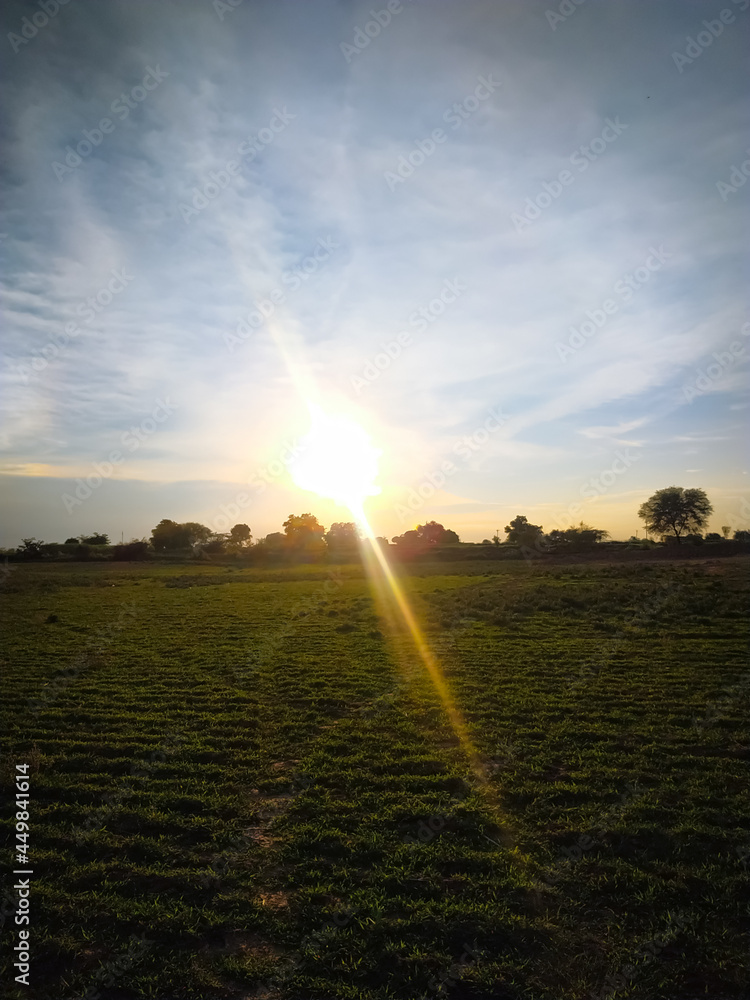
(430, 662)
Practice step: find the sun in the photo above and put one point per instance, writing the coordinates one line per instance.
(338, 460)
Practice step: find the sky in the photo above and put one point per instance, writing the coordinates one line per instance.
(507, 239)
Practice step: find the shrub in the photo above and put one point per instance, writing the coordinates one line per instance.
(131, 551)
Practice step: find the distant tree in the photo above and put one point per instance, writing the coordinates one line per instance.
(741, 536)
(169, 536)
(676, 510)
(240, 535)
(96, 539)
(496, 540)
(695, 538)
(303, 531)
(71, 541)
(409, 538)
(215, 545)
(714, 536)
(31, 548)
(276, 540)
(134, 550)
(521, 531)
(342, 534)
(165, 535)
(426, 535)
(725, 529)
(581, 536)
(343, 541)
(431, 532)
(196, 532)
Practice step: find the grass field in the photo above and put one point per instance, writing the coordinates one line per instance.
(245, 784)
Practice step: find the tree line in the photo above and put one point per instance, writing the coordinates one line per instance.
(672, 514)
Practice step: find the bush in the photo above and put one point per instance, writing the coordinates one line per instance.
(131, 551)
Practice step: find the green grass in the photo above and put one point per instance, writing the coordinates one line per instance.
(253, 769)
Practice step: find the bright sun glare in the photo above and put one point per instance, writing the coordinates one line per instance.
(338, 461)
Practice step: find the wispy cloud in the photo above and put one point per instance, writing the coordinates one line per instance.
(312, 134)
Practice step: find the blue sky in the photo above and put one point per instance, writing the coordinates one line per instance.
(251, 155)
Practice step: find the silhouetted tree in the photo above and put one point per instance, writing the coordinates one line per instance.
(169, 536)
(676, 510)
(196, 532)
(215, 545)
(276, 540)
(135, 550)
(342, 534)
(409, 538)
(302, 530)
(96, 539)
(240, 535)
(521, 531)
(31, 548)
(431, 533)
(581, 536)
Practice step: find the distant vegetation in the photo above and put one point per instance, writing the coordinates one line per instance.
(676, 511)
(673, 515)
